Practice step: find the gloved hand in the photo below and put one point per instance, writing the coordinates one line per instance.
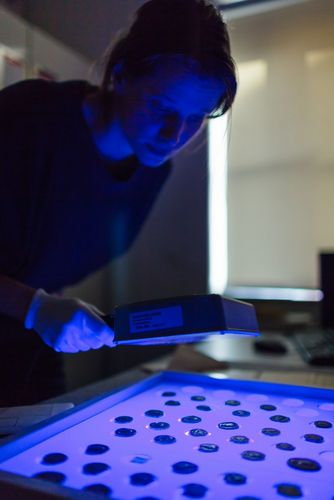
(66, 324)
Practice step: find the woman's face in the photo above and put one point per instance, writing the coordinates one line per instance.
(159, 114)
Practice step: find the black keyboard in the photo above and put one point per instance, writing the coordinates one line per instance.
(316, 346)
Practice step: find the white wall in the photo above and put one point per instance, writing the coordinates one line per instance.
(281, 167)
(85, 25)
(39, 50)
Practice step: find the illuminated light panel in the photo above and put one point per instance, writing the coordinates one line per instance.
(275, 293)
(233, 9)
(314, 58)
(253, 75)
(217, 204)
(250, 448)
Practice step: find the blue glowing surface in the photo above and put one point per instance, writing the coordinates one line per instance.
(179, 436)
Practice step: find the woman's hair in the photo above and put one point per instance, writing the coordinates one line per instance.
(193, 29)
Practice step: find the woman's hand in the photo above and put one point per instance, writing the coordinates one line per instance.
(67, 324)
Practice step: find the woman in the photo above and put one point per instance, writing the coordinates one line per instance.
(81, 168)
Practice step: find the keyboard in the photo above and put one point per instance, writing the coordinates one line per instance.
(316, 346)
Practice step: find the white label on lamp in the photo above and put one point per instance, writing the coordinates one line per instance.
(156, 319)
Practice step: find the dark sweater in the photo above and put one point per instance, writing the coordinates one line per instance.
(65, 211)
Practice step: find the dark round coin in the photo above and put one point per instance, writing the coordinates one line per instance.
(241, 413)
(253, 455)
(208, 447)
(54, 458)
(191, 419)
(198, 432)
(313, 438)
(101, 489)
(289, 490)
(154, 413)
(159, 425)
(172, 402)
(280, 418)
(142, 478)
(232, 402)
(51, 476)
(194, 490)
(304, 464)
(268, 407)
(239, 439)
(96, 449)
(269, 431)
(203, 408)
(247, 498)
(147, 498)
(285, 446)
(168, 394)
(323, 424)
(125, 432)
(164, 439)
(228, 426)
(184, 467)
(198, 398)
(140, 459)
(235, 478)
(95, 468)
(123, 419)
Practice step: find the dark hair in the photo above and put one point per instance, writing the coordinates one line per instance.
(191, 28)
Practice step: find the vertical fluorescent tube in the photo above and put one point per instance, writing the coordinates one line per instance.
(217, 204)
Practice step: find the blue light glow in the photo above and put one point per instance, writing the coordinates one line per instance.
(237, 453)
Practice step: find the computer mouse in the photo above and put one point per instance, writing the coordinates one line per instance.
(270, 346)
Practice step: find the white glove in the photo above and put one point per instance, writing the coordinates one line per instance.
(66, 324)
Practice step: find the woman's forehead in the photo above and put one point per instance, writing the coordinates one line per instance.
(177, 80)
